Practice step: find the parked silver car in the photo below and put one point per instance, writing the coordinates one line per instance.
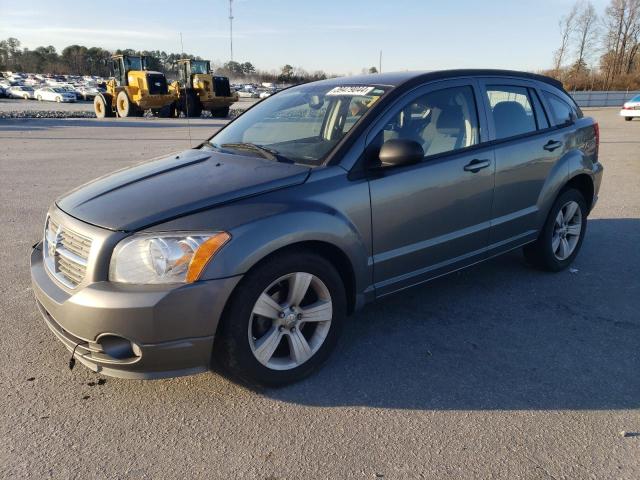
(254, 246)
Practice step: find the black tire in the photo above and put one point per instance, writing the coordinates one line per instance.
(165, 112)
(220, 112)
(540, 253)
(189, 104)
(628, 119)
(232, 350)
(194, 106)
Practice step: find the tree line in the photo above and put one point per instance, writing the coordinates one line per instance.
(81, 60)
(599, 51)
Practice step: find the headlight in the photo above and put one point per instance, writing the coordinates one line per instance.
(178, 257)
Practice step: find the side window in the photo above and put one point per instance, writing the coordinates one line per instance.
(541, 116)
(440, 121)
(561, 111)
(511, 110)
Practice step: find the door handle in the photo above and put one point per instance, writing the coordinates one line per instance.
(476, 165)
(551, 145)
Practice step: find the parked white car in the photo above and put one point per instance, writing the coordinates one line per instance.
(24, 92)
(631, 108)
(247, 94)
(55, 94)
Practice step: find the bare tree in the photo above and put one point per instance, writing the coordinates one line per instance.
(586, 31)
(622, 23)
(567, 26)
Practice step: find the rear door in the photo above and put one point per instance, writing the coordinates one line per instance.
(434, 216)
(527, 148)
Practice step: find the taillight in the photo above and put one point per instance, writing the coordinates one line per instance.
(596, 130)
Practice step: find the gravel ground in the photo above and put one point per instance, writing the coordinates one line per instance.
(14, 108)
(498, 371)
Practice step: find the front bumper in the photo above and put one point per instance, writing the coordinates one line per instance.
(630, 113)
(171, 328)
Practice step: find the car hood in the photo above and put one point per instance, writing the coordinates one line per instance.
(173, 186)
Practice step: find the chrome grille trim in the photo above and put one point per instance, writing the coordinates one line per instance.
(65, 253)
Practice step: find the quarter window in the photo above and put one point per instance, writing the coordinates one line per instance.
(561, 111)
(511, 110)
(440, 121)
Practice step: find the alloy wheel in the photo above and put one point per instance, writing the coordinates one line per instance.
(290, 321)
(566, 230)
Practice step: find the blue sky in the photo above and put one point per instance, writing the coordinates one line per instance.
(336, 36)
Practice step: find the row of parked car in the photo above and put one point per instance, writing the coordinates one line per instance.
(54, 88)
(250, 90)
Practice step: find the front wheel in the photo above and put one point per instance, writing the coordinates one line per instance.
(628, 119)
(39, 98)
(282, 321)
(562, 235)
(58, 99)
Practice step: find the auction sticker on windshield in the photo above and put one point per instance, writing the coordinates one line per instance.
(350, 91)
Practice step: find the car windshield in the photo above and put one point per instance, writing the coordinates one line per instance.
(199, 66)
(635, 99)
(301, 124)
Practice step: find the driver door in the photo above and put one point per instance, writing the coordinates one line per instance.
(434, 216)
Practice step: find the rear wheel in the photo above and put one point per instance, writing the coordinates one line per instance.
(282, 321)
(562, 235)
(39, 98)
(628, 119)
(58, 99)
(164, 112)
(220, 112)
(190, 104)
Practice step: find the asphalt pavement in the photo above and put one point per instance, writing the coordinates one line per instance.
(497, 371)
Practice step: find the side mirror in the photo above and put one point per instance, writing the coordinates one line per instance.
(400, 151)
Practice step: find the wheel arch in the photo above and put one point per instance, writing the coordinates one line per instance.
(330, 252)
(331, 236)
(584, 184)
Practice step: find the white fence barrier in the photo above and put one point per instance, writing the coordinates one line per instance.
(603, 99)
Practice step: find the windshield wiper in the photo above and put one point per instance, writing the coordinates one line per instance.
(268, 153)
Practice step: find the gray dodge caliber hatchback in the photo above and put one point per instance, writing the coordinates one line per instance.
(254, 246)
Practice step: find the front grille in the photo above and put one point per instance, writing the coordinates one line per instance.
(221, 87)
(65, 253)
(157, 84)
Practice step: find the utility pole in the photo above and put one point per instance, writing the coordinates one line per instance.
(380, 63)
(231, 27)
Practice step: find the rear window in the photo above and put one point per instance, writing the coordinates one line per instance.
(511, 110)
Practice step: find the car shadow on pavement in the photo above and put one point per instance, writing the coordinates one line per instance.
(500, 336)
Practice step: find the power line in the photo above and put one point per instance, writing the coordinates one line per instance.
(231, 27)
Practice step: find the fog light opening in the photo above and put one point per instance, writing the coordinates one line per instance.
(119, 348)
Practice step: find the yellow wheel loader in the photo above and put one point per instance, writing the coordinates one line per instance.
(133, 89)
(198, 90)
